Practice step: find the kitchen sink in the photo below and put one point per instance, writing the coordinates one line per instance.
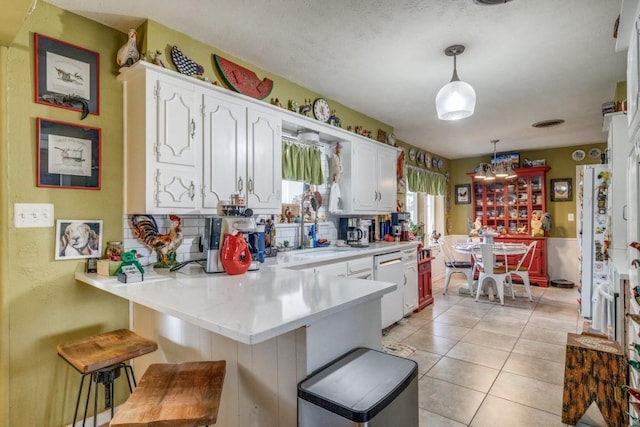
(319, 252)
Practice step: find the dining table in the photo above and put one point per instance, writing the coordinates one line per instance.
(499, 250)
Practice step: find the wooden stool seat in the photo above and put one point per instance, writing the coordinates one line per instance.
(174, 395)
(100, 351)
(595, 368)
(101, 358)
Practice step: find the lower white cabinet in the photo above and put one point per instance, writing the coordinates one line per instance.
(410, 288)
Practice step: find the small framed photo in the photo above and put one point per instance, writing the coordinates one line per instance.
(561, 190)
(68, 155)
(66, 75)
(76, 238)
(463, 194)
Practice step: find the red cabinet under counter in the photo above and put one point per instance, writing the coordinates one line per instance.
(425, 293)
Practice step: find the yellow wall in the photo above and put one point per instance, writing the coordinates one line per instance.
(562, 166)
(154, 36)
(42, 305)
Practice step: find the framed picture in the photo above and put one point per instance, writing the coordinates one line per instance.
(463, 194)
(77, 238)
(68, 155)
(561, 190)
(66, 75)
(512, 158)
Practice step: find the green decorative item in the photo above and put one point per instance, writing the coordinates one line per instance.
(130, 258)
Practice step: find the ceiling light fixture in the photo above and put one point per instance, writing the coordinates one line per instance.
(456, 100)
(496, 169)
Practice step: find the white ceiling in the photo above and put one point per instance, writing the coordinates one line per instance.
(528, 60)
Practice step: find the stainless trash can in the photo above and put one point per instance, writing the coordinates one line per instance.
(362, 388)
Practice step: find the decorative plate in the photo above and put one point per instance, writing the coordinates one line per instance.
(427, 161)
(412, 154)
(594, 153)
(434, 162)
(420, 159)
(578, 155)
(440, 164)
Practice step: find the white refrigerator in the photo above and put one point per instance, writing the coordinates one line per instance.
(597, 300)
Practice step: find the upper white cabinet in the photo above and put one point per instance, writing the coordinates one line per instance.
(618, 151)
(189, 146)
(369, 181)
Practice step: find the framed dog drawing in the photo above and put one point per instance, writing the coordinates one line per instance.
(78, 239)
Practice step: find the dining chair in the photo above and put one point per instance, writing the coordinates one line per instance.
(452, 265)
(489, 269)
(522, 269)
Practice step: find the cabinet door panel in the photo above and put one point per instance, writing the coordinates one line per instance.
(224, 150)
(174, 189)
(364, 177)
(176, 123)
(264, 160)
(387, 180)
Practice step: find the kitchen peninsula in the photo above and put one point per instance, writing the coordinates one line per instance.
(273, 327)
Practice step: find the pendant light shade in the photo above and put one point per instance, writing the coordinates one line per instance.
(457, 99)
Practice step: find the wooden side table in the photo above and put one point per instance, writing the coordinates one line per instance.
(595, 368)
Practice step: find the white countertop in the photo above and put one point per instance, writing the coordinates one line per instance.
(249, 308)
(312, 257)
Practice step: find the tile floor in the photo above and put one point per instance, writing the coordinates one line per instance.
(482, 364)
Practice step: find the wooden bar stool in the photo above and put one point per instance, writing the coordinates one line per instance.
(100, 357)
(174, 395)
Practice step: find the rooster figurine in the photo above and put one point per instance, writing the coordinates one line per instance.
(145, 229)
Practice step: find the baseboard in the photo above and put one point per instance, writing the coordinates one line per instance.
(103, 418)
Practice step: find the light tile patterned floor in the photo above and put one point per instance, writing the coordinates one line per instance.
(482, 364)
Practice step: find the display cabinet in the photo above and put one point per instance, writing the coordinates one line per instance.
(509, 204)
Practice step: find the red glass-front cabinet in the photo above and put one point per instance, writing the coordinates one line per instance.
(425, 293)
(507, 206)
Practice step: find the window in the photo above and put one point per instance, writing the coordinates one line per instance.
(427, 209)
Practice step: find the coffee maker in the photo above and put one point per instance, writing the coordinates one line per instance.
(400, 225)
(215, 229)
(356, 231)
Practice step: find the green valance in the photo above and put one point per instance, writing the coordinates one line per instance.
(419, 181)
(302, 163)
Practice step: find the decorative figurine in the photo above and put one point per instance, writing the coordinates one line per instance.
(536, 224)
(292, 105)
(305, 108)
(128, 54)
(335, 120)
(145, 229)
(129, 258)
(184, 64)
(276, 102)
(158, 60)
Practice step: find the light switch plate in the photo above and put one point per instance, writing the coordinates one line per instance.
(31, 215)
(570, 217)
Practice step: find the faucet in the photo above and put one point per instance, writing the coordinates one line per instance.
(314, 205)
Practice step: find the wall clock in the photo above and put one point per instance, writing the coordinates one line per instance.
(321, 109)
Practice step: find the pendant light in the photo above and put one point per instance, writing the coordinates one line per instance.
(457, 99)
(495, 169)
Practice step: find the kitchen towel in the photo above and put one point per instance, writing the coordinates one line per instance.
(335, 203)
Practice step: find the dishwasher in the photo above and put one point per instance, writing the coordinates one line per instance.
(389, 267)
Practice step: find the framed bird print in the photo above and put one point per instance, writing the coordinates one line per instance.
(463, 194)
(66, 75)
(68, 155)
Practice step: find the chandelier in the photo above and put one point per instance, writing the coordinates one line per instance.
(456, 100)
(495, 169)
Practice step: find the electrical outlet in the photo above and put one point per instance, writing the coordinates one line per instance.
(570, 217)
(31, 215)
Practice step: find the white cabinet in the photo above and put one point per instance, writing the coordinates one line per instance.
(410, 289)
(242, 153)
(618, 150)
(189, 146)
(369, 179)
(633, 80)
(162, 143)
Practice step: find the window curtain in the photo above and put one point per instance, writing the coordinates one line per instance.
(426, 182)
(302, 163)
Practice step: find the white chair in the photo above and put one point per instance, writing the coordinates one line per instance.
(488, 269)
(452, 265)
(522, 269)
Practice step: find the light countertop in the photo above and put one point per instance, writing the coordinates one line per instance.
(249, 308)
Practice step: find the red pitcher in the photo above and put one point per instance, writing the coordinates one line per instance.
(233, 248)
